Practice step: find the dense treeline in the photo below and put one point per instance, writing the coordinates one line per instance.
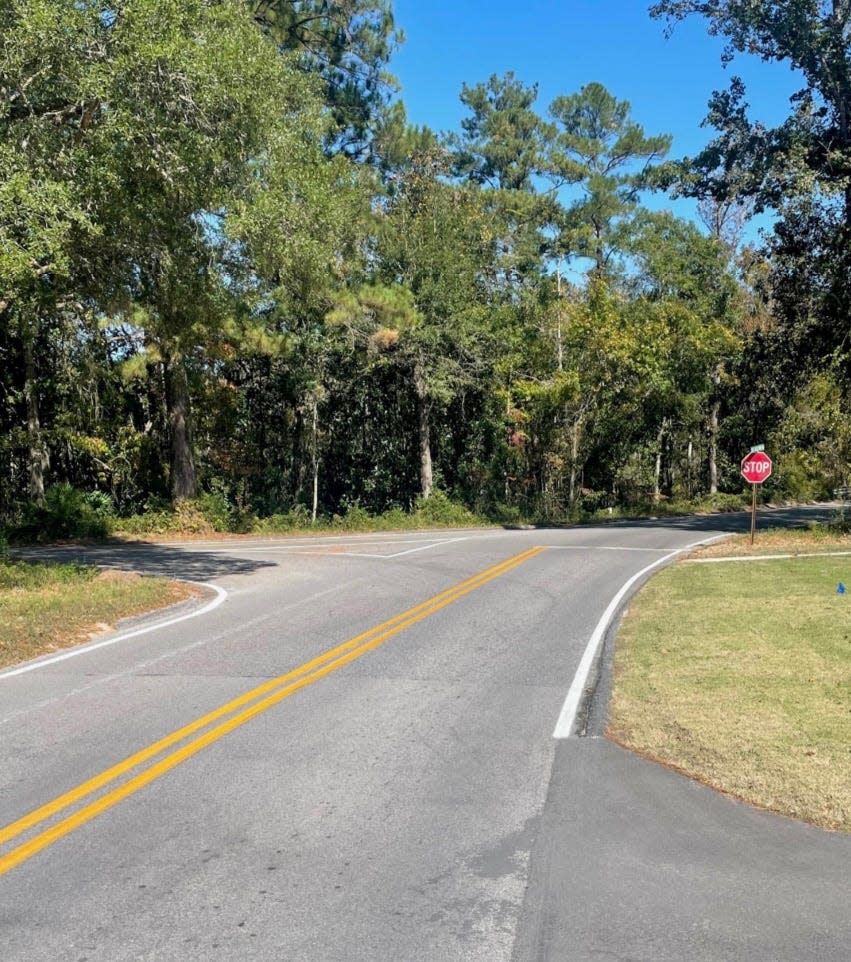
(229, 265)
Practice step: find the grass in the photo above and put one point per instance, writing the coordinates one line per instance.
(740, 676)
(44, 608)
(817, 538)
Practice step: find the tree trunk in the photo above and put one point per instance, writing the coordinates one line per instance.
(38, 457)
(299, 456)
(690, 478)
(426, 470)
(714, 413)
(183, 478)
(559, 344)
(315, 461)
(599, 251)
(575, 438)
(660, 446)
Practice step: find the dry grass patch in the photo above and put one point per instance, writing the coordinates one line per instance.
(44, 608)
(740, 675)
(813, 540)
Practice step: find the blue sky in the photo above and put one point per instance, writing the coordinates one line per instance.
(563, 45)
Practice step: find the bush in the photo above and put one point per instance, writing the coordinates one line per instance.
(838, 523)
(801, 476)
(356, 518)
(505, 513)
(724, 502)
(184, 518)
(215, 509)
(440, 511)
(67, 513)
(394, 518)
(591, 501)
(297, 517)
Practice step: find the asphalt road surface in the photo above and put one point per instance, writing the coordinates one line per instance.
(347, 753)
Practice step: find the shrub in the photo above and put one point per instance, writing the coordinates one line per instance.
(439, 510)
(394, 518)
(838, 523)
(215, 509)
(67, 513)
(297, 517)
(724, 502)
(356, 518)
(590, 501)
(506, 513)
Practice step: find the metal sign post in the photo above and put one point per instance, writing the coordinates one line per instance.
(753, 514)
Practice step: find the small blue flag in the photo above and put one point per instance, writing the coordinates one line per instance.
(840, 589)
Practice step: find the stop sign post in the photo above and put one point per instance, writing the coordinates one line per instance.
(756, 468)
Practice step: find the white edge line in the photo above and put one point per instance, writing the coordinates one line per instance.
(221, 595)
(567, 716)
(770, 557)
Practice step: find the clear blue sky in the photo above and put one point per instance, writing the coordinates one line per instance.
(564, 44)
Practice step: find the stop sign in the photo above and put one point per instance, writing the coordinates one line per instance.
(756, 467)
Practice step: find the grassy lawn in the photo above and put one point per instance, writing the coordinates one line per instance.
(739, 674)
(47, 607)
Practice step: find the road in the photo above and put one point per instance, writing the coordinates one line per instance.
(349, 757)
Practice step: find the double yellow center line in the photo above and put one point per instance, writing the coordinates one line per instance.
(229, 717)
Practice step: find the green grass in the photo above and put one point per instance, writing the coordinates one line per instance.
(47, 607)
(739, 674)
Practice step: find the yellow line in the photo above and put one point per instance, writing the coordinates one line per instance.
(128, 764)
(301, 677)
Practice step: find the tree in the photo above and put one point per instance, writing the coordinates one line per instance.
(300, 234)
(347, 43)
(44, 212)
(690, 277)
(598, 146)
(153, 122)
(800, 169)
(812, 36)
(423, 312)
(500, 150)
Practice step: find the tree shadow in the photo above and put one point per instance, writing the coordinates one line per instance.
(162, 560)
(734, 522)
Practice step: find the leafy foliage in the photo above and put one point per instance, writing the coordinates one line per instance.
(239, 292)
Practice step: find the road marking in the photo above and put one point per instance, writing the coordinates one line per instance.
(332, 548)
(425, 547)
(601, 547)
(276, 544)
(274, 690)
(567, 716)
(136, 668)
(221, 595)
(770, 557)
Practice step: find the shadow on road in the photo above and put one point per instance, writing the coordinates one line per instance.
(197, 564)
(170, 561)
(734, 521)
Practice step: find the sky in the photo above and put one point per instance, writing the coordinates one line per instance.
(562, 45)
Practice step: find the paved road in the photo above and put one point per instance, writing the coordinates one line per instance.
(401, 798)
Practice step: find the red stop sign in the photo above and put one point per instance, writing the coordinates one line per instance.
(756, 467)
